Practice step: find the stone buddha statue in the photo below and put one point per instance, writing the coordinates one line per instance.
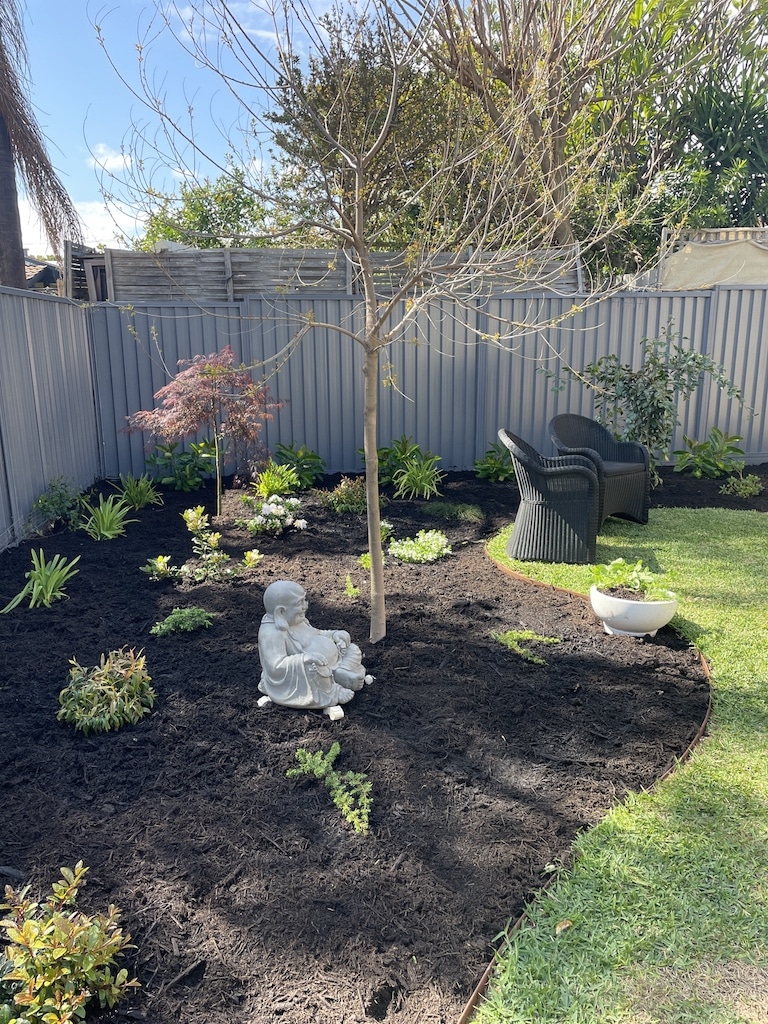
(301, 666)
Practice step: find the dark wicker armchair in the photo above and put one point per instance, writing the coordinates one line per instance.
(622, 467)
(557, 520)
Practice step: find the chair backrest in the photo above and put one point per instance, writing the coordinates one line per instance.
(581, 432)
(520, 449)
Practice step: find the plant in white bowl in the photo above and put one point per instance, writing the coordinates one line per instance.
(629, 598)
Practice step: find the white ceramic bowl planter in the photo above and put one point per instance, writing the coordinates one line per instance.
(626, 617)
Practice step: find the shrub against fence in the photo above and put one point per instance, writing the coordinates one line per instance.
(70, 375)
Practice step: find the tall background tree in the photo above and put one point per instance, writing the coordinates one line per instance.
(469, 135)
(23, 153)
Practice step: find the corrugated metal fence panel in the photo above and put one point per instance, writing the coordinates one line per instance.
(460, 371)
(48, 422)
(577, 332)
(137, 350)
(313, 369)
(737, 341)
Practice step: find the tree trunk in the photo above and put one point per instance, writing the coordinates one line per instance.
(12, 273)
(378, 608)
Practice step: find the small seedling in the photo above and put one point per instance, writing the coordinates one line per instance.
(350, 791)
(350, 589)
(45, 581)
(160, 568)
(111, 694)
(58, 959)
(514, 639)
(426, 546)
(183, 620)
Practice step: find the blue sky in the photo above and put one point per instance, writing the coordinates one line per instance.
(84, 110)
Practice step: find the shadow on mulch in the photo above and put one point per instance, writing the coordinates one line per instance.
(249, 899)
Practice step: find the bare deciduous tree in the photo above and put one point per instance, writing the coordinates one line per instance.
(493, 182)
(22, 151)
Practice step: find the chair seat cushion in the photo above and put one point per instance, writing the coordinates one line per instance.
(623, 468)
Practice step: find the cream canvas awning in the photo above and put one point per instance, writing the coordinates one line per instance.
(706, 264)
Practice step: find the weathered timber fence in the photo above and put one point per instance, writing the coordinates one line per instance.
(70, 375)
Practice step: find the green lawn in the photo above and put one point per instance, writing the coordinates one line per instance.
(664, 916)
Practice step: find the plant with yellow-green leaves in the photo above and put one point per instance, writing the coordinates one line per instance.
(57, 959)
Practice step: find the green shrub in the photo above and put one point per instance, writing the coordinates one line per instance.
(393, 457)
(106, 520)
(57, 959)
(642, 404)
(45, 581)
(496, 464)
(307, 465)
(59, 502)
(183, 620)
(184, 471)
(717, 456)
(742, 486)
(350, 791)
(138, 492)
(418, 477)
(348, 496)
(275, 479)
(111, 694)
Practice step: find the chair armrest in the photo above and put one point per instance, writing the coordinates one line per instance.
(593, 458)
(630, 451)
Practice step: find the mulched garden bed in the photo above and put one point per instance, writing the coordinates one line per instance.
(247, 896)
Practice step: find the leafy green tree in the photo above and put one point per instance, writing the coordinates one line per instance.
(479, 193)
(209, 215)
(727, 137)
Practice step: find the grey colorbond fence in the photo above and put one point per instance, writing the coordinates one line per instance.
(69, 376)
(49, 425)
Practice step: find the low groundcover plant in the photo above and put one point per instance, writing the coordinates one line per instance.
(350, 791)
(426, 546)
(272, 515)
(183, 620)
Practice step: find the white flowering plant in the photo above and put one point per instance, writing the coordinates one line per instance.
(274, 515)
(426, 546)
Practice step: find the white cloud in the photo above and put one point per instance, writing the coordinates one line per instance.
(100, 226)
(107, 159)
